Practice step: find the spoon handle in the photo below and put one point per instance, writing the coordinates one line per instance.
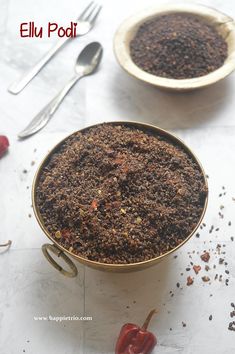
(43, 117)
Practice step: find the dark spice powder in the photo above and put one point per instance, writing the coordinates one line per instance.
(178, 46)
(116, 194)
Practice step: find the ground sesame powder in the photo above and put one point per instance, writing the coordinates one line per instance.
(117, 194)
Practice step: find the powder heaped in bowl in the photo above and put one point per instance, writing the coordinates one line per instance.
(178, 46)
(116, 194)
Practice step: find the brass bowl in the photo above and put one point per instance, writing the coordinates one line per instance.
(224, 24)
(62, 252)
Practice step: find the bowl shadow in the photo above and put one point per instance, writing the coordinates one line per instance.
(138, 101)
(112, 299)
(121, 298)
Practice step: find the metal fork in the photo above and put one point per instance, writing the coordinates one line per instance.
(85, 22)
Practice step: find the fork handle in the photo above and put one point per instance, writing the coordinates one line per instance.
(19, 84)
(43, 117)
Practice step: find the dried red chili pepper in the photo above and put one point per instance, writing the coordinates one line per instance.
(136, 340)
(94, 204)
(118, 161)
(4, 143)
(65, 233)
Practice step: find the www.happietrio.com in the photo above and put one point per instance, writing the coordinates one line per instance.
(62, 318)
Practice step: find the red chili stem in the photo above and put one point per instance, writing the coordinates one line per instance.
(148, 319)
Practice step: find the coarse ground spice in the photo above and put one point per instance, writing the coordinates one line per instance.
(178, 46)
(116, 194)
(189, 281)
(197, 268)
(205, 256)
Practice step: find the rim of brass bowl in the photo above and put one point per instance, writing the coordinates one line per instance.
(107, 266)
(127, 30)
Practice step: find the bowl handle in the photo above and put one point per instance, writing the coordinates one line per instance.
(71, 274)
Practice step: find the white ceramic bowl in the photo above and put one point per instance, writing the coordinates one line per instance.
(224, 24)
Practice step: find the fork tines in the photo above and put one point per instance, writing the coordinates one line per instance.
(90, 13)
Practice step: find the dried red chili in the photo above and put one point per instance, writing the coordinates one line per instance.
(94, 204)
(4, 143)
(65, 233)
(136, 340)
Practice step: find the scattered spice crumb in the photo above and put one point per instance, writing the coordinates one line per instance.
(197, 268)
(189, 281)
(183, 324)
(211, 229)
(205, 278)
(232, 314)
(205, 257)
(231, 326)
(218, 248)
(210, 318)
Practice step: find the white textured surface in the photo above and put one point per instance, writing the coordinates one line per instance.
(29, 285)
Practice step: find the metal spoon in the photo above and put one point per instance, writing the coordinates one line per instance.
(86, 64)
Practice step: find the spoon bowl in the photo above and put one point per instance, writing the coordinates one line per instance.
(89, 59)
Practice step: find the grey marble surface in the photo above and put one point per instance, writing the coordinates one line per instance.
(29, 285)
